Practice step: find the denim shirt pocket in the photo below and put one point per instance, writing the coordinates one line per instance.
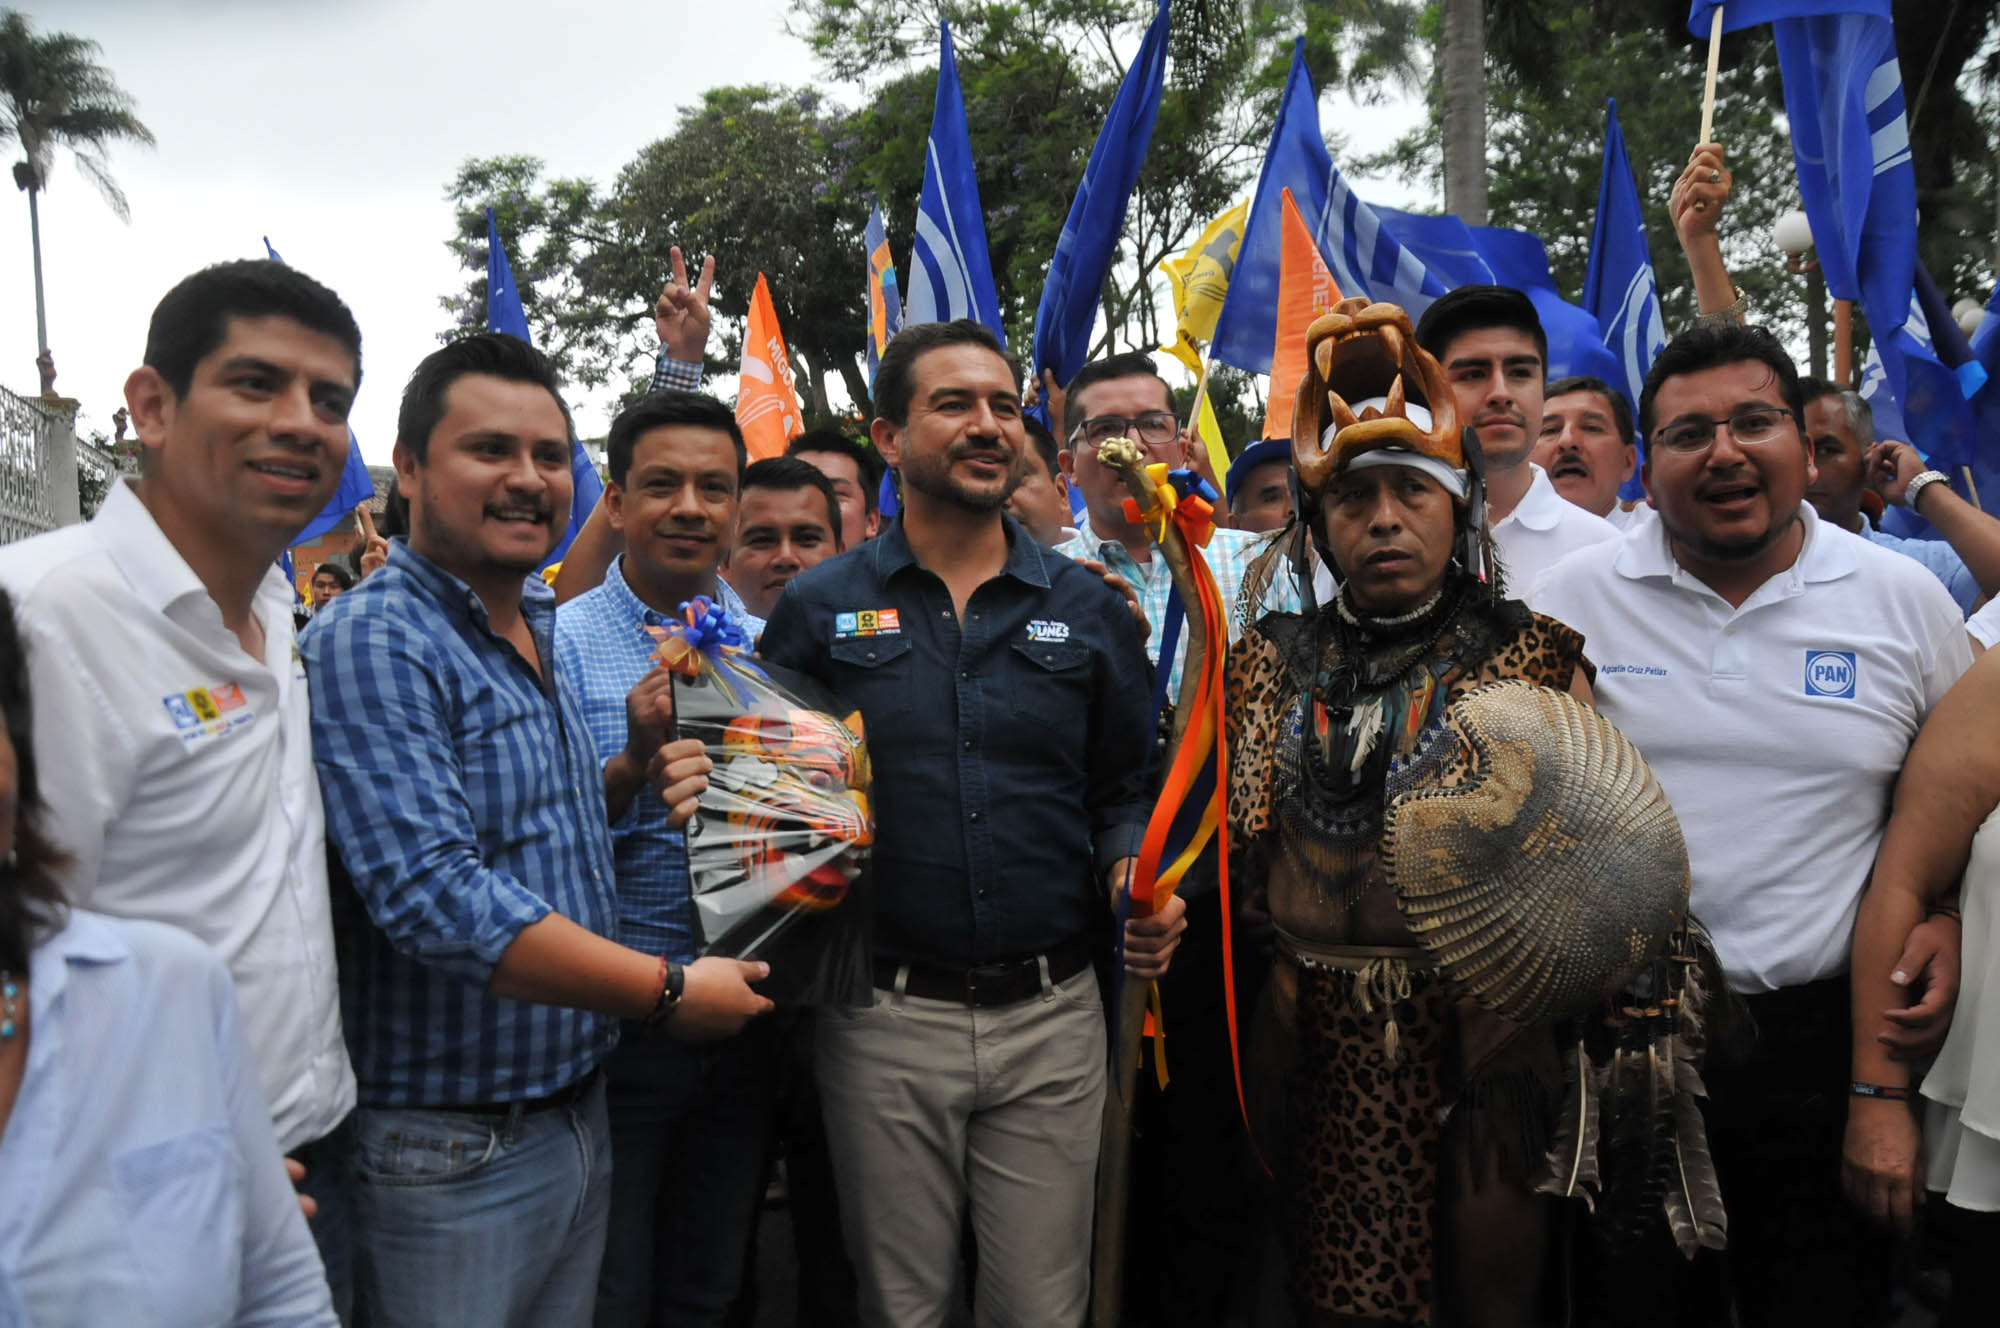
(182, 1199)
(1051, 683)
(876, 674)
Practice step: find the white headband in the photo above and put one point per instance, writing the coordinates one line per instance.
(1453, 482)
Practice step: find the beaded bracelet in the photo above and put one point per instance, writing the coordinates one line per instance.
(1859, 1089)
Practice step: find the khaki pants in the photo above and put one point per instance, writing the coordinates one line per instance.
(931, 1105)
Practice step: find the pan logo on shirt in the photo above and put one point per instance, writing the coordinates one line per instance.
(1042, 630)
(208, 712)
(866, 622)
(1830, 673)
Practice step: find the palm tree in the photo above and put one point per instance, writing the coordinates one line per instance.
(53, 94)
(1462, 72)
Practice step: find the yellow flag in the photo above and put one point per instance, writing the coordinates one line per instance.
(1200, 279)
(1209, 431)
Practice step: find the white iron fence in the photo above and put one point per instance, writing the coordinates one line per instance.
(39, 455)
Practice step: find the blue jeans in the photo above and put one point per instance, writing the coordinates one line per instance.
(690, 1130)
(328, 1163)
(463, 1218)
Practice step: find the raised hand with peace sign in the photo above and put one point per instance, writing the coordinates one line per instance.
(682, 312)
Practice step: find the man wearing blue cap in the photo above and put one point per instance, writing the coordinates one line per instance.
(1259, 487)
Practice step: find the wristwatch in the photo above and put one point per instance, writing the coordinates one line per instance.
(672, 979)
(1919, 483)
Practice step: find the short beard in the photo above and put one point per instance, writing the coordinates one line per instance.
(445, 546)
(931, 477)
(1742, 551)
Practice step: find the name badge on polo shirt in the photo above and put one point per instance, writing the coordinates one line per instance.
(866, 622)
(1830, 673)
(204, 713)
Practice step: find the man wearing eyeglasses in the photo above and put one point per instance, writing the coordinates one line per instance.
(1773, 669)
(1190, 1158)
(1123, 396)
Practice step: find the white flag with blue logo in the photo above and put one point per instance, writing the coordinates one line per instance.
(950, 273)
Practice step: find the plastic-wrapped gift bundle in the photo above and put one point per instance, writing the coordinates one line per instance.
(778, 850)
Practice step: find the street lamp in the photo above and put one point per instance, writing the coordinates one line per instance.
(1792, 233)
(1967, 313)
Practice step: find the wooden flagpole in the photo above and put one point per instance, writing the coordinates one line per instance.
(1714, 63)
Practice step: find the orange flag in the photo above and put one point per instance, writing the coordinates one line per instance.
(767, 404)
(1306, 290)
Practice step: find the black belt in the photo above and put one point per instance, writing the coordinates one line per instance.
(567, 1096)
(1003, 982)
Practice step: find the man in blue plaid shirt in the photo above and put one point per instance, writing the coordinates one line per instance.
(467, 801)
(688, 1123)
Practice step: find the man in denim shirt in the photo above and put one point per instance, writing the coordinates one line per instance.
(1005, 695)
(465, 796)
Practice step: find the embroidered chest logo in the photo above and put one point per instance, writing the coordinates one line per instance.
(1043, 630)
(866, 622)
(1830, 673)
(208, 712)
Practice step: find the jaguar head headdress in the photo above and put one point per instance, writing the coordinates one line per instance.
(1369, 385)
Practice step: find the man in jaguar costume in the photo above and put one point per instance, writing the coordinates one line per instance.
(1486, 987)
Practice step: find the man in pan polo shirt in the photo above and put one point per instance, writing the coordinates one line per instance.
(1773, 672)
(170, 705)
(1005, 695)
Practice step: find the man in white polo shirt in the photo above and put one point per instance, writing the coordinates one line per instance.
(1490, 341)
(170, 702)
(1773, 670)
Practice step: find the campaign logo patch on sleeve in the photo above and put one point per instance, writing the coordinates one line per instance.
(1042, 630)
(1830, 673)
(866, 622)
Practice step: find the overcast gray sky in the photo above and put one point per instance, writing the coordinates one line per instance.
(333, 126)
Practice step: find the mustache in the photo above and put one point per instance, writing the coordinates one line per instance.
(1513, 417)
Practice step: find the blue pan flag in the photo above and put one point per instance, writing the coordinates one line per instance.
(1740, 14)
(1089, 241)
(1297, 160)
(356, 487)
(505, 314)
(1618, 287)
(950, 273)
(1519, 259)
(1947, 406)
(1364, 255)
(1851, 144)
(1443, 244)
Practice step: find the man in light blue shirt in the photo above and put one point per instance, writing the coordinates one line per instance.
(1841, 426)
(1123, 396)
(688, 1123)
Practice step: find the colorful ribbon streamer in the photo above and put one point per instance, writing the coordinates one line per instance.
(1199, 774)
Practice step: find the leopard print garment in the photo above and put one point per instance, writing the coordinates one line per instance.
(1365, 1182)
(1360, 1154)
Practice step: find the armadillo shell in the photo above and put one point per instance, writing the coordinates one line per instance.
(1533, 853)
